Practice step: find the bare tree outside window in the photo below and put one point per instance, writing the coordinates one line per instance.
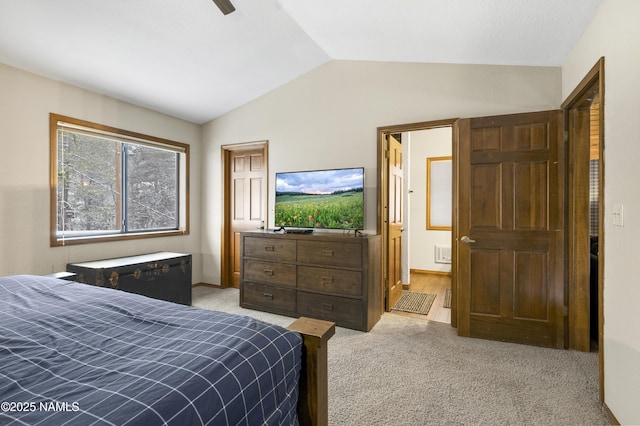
(88, 189)
(109, 185)
(152, 201)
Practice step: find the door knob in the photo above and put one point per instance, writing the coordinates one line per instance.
(467, 240)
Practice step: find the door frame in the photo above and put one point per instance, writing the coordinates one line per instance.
(226, 269)
(577, 289)
(383, 192)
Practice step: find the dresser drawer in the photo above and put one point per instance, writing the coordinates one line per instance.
(343, 311)
(339, 254)
(269, 297)
(330, 280)
(276, 249)
(270, 272)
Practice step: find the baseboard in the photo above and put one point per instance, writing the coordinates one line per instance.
(424, 271)
(205, 285)
(610, 416)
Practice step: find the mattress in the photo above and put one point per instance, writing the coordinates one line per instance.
(72, 354)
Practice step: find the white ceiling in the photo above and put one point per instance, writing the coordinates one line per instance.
(186, 59)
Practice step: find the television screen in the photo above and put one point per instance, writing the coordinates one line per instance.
(328, 199)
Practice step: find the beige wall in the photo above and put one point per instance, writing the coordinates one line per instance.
(328, 118)
(615, 34)
(25, 103)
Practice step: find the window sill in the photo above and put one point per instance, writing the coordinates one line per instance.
(67, 241)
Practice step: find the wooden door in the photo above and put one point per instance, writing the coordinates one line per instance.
(247, 182)
(394, 222)
(510, 228)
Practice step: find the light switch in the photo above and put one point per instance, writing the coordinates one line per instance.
(618, 215)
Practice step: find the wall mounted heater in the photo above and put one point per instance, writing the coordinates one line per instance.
(443, 254)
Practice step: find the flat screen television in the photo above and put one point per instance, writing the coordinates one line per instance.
(320, 199)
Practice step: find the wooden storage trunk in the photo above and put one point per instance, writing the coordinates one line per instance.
(161, 275)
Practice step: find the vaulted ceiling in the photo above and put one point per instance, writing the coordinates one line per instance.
(185, 58)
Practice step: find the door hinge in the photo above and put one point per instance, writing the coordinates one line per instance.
(565, 310)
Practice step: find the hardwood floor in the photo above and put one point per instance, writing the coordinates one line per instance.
(435, 284)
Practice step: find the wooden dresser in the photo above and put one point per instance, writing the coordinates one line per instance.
(325, 276)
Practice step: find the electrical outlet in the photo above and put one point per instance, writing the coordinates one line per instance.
(618, 215)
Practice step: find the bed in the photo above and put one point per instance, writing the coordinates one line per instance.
(77, 354)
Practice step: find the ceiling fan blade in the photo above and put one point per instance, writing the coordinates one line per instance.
(225, 6)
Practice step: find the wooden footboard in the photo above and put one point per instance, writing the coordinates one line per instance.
(313, 404)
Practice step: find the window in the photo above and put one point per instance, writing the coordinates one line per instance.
(109, 184)
(439, 190)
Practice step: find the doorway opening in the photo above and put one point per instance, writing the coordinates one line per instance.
(418, 256)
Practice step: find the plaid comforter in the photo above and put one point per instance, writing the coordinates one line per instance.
(78, 354)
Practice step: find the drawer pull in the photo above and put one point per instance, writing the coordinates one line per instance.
(269, 248)
(327, 306)
(269, 272)
(268, 296)
(327, 280)
(327, 252)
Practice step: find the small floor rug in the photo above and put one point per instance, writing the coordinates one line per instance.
(417, 303)
(447, 299)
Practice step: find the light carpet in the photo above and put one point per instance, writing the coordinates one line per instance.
(409, 371)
